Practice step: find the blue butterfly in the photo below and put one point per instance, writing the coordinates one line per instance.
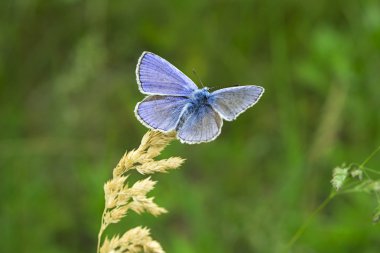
(175, 103)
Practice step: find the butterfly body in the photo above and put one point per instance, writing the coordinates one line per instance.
(174, 102)
(200, 96)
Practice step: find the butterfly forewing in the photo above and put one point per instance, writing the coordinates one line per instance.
(161, 112)
(230, 102)
(156, 76)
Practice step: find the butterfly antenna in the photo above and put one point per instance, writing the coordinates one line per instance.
(195, 73)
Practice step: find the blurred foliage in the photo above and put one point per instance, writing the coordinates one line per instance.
(68, 90)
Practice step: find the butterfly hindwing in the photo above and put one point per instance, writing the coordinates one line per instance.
(156, 76)
(230, 102)
(199, 124)
(160, 112)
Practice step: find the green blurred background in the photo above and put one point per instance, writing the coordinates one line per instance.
(68, 90)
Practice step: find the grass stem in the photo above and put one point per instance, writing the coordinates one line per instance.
(302, 228)
(101, 230)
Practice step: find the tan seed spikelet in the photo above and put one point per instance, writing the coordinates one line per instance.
(115, 215)
(119, 198)
(112, 189)
(142, 203)
(142, 187)
(151, 146)
(161, 166)
(153, 247)
(110, 245)
(133, 241)
(123, 166)
(141, 237)
(154, 142)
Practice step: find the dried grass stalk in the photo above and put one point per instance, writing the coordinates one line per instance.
(120, 198)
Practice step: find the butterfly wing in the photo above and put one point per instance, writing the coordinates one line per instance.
(156, 76)
(160, 112)
(231, 102)
(199, 124)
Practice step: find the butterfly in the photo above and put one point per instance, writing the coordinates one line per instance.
(175, 103)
